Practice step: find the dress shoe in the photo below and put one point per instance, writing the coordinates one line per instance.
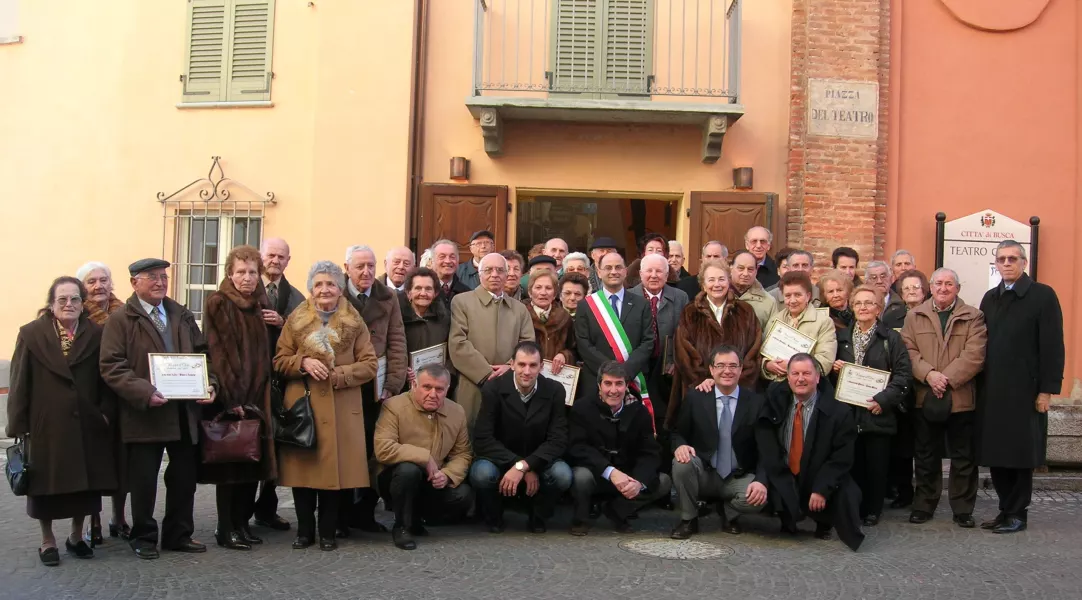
(147, 552)
(1010, 525)
(871, 520)
(732, 526)
(417, 530)
(789, 528)
(275, 522)
(246, 535)
(536, 525)
(920, 517)
(685, 529)
(189, 546)
(403, 539)
(579, 528)
(965, 521)
(822, 532)
(341, 532)
(122, 531)
(996, 522)
(621, 525)
(302, 541)
(327, 544)
(232, 540)
(78, 549)
(50, 557)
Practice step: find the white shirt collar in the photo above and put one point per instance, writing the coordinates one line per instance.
(356, 292)
(150, 308)
(735, 394)
(542, 312)
(658, 295)
(718, 310)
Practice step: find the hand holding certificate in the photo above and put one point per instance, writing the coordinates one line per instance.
(568, 377)
(180, 376)
(857, 385)
(783, 341)
(427, 356)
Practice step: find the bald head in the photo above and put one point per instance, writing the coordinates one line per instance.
(493, 271)
(275, 254)
(556, 248)
(398, 262)
(758, 240)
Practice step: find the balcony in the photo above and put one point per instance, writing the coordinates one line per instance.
(620, 61)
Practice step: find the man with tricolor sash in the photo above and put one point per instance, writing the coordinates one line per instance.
(615, 324)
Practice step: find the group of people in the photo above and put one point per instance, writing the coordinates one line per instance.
(673, 392)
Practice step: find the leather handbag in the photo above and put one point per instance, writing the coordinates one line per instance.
(17, 468)
(295, 426)
(232, 440)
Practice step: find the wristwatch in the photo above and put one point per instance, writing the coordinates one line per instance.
(520, 466)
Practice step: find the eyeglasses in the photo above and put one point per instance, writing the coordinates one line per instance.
(1009, 260)
(613, 268)
(64, 300)
(726, 366)
(911, 288)
(883, 277)
(497, 270)
(867, 303)
(161, 278)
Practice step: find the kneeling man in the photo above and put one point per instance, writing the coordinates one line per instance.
(423, 447)
(613, 452)
(716, 455)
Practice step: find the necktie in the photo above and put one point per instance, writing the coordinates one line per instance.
(362, 300)
(447, 291)
(156, 317)
(796, 442)
(615, 301)
(723, 458)
(272, 294)
(653, 324)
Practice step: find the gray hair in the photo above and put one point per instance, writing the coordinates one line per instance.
(724, 248)
(358, 248)
(435, 370)
(769, 234)
(1011, 244)
(676, 244)
(876, 264)
(902, 252)
(85, 270)
(390, 252)
(577, 256)
(326, 267)
(437, 243)
(664, 261)
(426, 259)
(811, 259)
(952, 273)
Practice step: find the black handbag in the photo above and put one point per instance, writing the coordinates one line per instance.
(936, 410)
(17, 468)
(297, 425)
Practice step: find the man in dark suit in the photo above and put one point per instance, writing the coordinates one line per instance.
(633, 314)
(482, 243)
(716, 452)
(519, 437)
(445, 264)
(614, 453)
(806, 440)
(758, 240)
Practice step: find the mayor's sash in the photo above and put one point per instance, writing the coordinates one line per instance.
(621, 347)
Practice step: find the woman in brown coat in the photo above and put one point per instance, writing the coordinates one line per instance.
(237, 339)
(427, 323)
(553, 327)
(100, 302)
(713, 318)
(325, 348)
(59, 403)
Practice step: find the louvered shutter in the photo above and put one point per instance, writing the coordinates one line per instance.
(628, 46)
(576, 45)
(204, 62)
(248, 64)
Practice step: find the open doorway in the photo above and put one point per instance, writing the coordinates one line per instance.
(581, 220)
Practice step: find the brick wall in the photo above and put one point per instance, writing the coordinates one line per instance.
(837, 186)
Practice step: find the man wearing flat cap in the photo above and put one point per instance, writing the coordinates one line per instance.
(150, 424)
(481, 243)
(600, 247)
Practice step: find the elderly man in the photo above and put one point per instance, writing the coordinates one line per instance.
(801, 261)
(600, 247)
(900, 262)
(747, 287)
(445, 264)
(520, 436)
(481, 243)
(651, 243)
(712, 250)
(379, 306)
(613, 324)
(666, 304)
(676, 260)
(515, 267)
(485, 327)
(1023, 368)
(614, 453)
(846, 260)
(149, 422)
(557, 249)
(878, 275)
(806, 441)
(757, 241)
(946, 339)
(398, 262)
(423, 447)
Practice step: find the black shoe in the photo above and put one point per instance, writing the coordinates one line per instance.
(232, 540)
(189, 547)
(495, 527)
(275, 522)
(822, 532)
(50, 557)
(327, 544)
(789, 528)
(122, 531)
(965, 521)
(341, 532)
(536, 525)
(920, 517)
(1011, 525)
(579, 528)
(369, 526)
(732, 527)
(685, 529)
(403, 539)
(418, 530)
(871, 520)
(901, 503)
(146, 552)
(246, 535)
(595, 511)
(93, 536)
(302, 541)
(621, 525)
(996, 522)
(79, 549)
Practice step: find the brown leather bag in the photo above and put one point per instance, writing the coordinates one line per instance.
(228, 439)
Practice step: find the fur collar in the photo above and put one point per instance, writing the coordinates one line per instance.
(323, 343)
(257, 299)
(99, 316)
(558, 317)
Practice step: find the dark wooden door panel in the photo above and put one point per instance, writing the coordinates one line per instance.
(726, 217)
(454, 212)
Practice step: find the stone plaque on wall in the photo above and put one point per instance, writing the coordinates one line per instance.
(969, 246)
(848, 109)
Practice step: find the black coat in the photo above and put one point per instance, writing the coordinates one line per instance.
(289, 298)
(427, 331)
(689, 285)
(599, 441)
(767, 274)
(887, 352)
(457, 287)
(697, 426)
(1024, 358)
(509, 430)
(593, 347)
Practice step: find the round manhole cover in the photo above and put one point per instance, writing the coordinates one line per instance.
(677, 549)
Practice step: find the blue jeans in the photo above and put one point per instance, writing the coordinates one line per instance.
(485, 479)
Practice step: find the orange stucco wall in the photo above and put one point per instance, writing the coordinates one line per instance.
(984, 119)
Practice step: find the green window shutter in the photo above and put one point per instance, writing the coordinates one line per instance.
(576, 48)
(628, 46)
(204, 61)
(248, 65)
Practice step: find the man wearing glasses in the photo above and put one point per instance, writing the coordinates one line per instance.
(150, 322)
(878, 275)
(481, 243)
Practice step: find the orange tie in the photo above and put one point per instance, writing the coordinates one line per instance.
(796, 444)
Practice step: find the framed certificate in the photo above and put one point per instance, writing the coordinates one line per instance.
(568, 377)
(783, 341)
(180, 376)
(427, 356)
(381, 375)
(857, 384)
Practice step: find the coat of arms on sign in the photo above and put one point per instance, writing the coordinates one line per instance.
(988, 220)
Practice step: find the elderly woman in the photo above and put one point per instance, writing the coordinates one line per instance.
(99, 304)
(58, 402)
(577, 262)
(553, 327)
(573, 288)
(835, 287)
(879, 347)
(237, 338)
(914, 289)
(427, 322)
(513, 286)
(325, 349)
(713, 318)
(798, 313)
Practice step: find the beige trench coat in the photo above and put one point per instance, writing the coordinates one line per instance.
(817, 326)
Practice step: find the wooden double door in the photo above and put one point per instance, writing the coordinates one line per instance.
(725, 217)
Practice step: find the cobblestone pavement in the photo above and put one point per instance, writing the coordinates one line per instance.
(898, 560)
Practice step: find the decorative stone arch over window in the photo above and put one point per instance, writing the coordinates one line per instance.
(201, 223)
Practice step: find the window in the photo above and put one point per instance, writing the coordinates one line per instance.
(228, 51)
(204, 243)
(9, 22)
(602, 47)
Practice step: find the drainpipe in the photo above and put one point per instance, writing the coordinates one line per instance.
(415, 168)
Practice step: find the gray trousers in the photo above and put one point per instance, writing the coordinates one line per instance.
(694, 482)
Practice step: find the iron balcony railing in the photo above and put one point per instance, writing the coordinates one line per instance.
(630, 49)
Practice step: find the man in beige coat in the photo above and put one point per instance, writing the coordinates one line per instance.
(748, 288)
(485, 328)
(946, 339)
